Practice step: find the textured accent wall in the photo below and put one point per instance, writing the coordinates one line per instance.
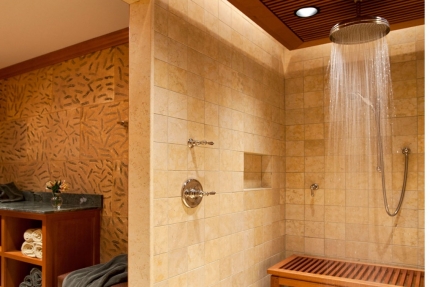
(217, 77)
(60, 122)
(346, 218)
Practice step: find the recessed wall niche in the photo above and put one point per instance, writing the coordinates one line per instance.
(257, 171)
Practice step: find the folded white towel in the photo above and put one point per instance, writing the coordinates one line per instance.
(27, 249)
(28, 234)
(37, 235)
(37, 249)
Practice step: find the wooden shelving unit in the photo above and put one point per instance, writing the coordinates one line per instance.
(70, 241)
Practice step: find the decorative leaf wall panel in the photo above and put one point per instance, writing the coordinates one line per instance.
(114, 237)
(85, 80)
(3, 100)
(32, 175)
(61, 122)
(121, 77)
(120, 188)
(102, 136)
(29, 94)
(13, 141)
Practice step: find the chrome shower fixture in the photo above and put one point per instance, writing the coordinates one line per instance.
(192, 193)
(361, 29)
(314, 187)
(193, 143)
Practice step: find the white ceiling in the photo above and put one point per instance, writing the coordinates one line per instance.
(31, 28)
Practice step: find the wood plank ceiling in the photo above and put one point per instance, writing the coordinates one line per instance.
(278, 17)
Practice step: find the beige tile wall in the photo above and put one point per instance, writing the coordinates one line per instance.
(141, 67)
(217, 77)
(60, 122)
(342, 221)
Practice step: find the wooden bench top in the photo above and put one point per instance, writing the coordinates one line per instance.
(344, 273)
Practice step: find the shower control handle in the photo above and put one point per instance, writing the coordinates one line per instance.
(193, 193)
(193, 143)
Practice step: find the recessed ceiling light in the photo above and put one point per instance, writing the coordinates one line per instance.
(306, 12)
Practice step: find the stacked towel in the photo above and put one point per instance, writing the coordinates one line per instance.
(27, 249)
(36, 235)
(37, 249)
(28, 234)
(32, 280)
(32, 246)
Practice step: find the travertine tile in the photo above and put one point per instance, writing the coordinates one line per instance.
(356, 250)
(314, 212)
(177, 25)
(357, 232)
(313, 83)
(161, 73)
(380, 252)
(314, 229)
(194, 278)
(402, 36)
(334, 213)
(314, 246)
(404, 71)
(161, 264)
(161, 47)
(161, 244)
(195, 110)
(177, 131)
(161, 101)
(313, 99)
(177, 262)
(314, 147)
(160, 25)
(405, 255)
(405, 89)
(212, 273)
(160, 132)
(313, 67)
(196, 256)
(402, 52)
(334, 248)
(177, 79)
(177, 235)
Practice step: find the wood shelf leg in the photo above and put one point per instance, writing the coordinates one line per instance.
(274, 281)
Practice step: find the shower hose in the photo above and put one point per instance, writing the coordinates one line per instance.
(381, 169)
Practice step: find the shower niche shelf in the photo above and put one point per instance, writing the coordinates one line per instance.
(257, 171)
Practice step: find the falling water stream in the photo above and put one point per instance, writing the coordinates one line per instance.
(361, 109)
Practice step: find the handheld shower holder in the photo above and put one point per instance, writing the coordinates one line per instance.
(314, 187)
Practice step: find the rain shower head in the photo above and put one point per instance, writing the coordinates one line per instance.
(361, 29)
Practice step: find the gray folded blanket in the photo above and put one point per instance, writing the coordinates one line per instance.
(100, 275)
(10, 193)
(32, 280)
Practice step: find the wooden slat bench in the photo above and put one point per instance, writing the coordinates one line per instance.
(309, 271)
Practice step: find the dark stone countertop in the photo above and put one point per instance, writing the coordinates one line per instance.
(39, 202)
